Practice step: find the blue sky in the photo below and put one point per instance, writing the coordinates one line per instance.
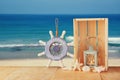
(59, 6)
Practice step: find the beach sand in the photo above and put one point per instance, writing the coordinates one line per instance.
(35, 62)
(43, 62)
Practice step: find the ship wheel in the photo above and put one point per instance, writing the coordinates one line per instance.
(56, 49)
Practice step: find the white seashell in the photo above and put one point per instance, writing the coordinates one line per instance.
(99, 69)
(86, 68)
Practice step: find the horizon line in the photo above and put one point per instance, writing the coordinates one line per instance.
(56, 14)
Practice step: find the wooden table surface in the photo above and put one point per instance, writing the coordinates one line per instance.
(55, 73)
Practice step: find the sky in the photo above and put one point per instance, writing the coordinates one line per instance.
(59, 6)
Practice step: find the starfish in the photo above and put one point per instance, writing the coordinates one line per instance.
(77, 65)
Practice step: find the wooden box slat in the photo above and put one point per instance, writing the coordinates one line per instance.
(75, 40)
(101, 43)
(82, 39)
(92, 33)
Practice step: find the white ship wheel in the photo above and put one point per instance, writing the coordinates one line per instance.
(56, 49)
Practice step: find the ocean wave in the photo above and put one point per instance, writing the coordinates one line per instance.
(17, 45)
(113, 51)
(115, 40)
(69, 38)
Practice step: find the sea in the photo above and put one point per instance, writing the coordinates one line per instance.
(20, 33)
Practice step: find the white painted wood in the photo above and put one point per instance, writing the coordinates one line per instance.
(51, 34)
(63, 34)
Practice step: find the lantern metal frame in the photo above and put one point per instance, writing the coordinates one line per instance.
(90, 52)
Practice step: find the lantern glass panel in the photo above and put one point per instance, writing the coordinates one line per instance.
(90, 60)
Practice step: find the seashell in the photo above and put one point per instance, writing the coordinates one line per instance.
(86, 68)
(99, 69)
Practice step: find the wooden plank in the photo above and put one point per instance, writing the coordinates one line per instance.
(89, 19)
(75, 39)
(92, 33)
(47, 74)
(106, 45)
(64, 75)
(6, 71)
(83, 39)
(27, 73)
(75, 75)
(20, 74)
(55, 73)
(101, 42)
(113, 73)
(88, 75)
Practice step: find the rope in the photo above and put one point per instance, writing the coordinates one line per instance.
(56, 24)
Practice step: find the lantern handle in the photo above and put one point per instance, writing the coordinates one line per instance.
(90, 37)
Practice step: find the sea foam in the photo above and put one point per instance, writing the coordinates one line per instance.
(17, 45)
(111, 41)
(69, 38)
(115, 40)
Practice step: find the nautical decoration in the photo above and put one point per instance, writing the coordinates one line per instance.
(99, 69)
(56, 48)
(86, 68)
(90, 57)
(77, 65)
(91, 32)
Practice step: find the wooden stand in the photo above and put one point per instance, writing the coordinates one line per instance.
(97, 30)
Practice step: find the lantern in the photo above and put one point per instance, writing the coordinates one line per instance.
(90, 57)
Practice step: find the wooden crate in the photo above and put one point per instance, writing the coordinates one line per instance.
(97, 30)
